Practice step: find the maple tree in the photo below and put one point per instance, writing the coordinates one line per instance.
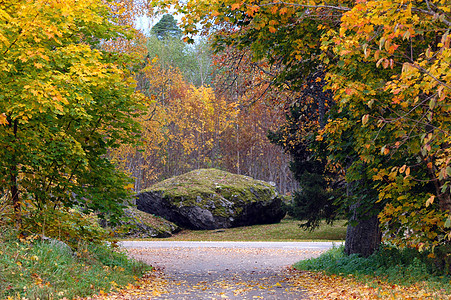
(64, 102)
(393, 79)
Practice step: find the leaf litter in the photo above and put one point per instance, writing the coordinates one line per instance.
(199, 274)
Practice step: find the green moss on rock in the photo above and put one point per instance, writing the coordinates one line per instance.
(214, 190)
(211, 198)
(141, 225)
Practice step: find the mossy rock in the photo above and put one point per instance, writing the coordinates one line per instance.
(211, 198)
(142, 225)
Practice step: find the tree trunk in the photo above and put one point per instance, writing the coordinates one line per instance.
(365, 237)
(14, 188)
(15, 198)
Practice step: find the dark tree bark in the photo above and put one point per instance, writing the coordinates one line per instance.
(364, 237)
(14, 188)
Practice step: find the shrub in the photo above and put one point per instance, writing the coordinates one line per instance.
(36, 269)
(398, 266)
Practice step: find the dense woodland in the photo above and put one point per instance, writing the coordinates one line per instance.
(203, 113)
(345, 104)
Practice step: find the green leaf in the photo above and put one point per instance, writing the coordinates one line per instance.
(448, 222)
(432, 103)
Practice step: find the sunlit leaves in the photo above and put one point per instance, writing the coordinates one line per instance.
(65, 100)
(413, 87)
(391, 80)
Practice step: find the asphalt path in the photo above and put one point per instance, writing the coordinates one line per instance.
(226, 270)
(209, 244)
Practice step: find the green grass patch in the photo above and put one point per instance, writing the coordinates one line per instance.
(389, 264)
(287, 230)
(39, 270)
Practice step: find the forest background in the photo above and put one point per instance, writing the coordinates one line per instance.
(357, 92)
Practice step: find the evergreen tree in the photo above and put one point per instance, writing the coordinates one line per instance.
(166, 28)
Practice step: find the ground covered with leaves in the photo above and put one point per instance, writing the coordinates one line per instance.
(389, 273)
(323, 286)
(315, 285)
(220, 273)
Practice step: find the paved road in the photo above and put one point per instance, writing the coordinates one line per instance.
(226, 270)
(271, 245)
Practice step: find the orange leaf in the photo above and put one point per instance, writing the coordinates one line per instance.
(283, 10)
(349, 91)
(236, 6)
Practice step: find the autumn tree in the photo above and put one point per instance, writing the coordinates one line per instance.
(64, 101)
(393, 79)
(268, 31)
(194, 61)
(387, 64)
(250, 87)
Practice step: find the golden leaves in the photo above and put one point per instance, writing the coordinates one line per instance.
(252, 10)
(3, 120)
(153, 284)
(430, 200)
(322, 286)
(283, 10)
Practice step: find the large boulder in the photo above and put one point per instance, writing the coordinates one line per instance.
(211, 199)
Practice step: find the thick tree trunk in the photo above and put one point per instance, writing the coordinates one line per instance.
(365, 237)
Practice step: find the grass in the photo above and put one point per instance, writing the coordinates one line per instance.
(406, 267)
(34, 269)
(285, 231)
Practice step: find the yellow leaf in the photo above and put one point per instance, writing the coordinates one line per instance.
(402, 169)
(272, 29)
(365, 119)
(3, 120)
(408, 171)
(430, 200)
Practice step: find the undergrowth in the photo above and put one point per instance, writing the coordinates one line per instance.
(389, 264)
(35, 269)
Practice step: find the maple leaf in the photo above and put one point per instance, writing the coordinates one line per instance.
(283, 10)
(236, 6)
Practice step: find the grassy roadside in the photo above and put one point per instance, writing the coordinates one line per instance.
(389, 273)
(285, 231)
(34, 269)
